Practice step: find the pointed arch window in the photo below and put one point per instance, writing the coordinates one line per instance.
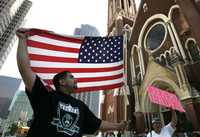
(193, 50)
(162, 60)
(129, 3)
(122, 4)
(167, 58)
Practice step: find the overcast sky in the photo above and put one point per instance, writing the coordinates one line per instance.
(63, 16)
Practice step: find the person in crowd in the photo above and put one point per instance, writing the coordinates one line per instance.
(167, 130)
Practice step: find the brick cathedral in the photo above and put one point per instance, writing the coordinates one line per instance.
(161, 48)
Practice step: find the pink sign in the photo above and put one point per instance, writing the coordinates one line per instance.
(164, 98)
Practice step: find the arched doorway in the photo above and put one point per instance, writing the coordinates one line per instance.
(154, 110)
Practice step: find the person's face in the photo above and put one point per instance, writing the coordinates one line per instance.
(157, 127)
(68, 82)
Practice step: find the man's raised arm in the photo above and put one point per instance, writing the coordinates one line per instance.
(23, 60)
(174, 119)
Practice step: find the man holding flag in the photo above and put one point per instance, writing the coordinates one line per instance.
(56, 113)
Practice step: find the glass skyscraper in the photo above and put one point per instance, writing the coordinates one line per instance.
(20, 108)
(12, 14)
(86, 30)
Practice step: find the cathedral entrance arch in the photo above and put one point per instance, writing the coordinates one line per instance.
(164, 84)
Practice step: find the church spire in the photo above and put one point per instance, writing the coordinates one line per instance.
(120, 9)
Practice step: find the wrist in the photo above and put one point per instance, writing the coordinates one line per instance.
(122, 125)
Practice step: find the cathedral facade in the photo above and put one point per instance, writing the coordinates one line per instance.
(161, 48)
(115, 106)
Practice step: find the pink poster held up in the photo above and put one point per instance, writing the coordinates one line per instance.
(164, 98)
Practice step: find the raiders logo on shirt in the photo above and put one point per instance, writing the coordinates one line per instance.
(67, 118)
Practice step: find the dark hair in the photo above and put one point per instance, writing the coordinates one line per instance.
(59, 76)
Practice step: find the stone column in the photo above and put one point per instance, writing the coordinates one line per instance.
(193, 111)
(190, 102)
(178, 65)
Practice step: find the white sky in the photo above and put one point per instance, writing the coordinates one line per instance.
(63, 16)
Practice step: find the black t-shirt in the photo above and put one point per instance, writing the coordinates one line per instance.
(59, 115)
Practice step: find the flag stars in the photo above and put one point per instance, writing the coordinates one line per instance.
(101, 50)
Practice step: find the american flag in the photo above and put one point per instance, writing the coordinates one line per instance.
(95, 62)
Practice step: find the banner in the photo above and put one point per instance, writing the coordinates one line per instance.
(164, 98)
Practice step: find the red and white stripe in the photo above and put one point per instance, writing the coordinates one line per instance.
(50, 54)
